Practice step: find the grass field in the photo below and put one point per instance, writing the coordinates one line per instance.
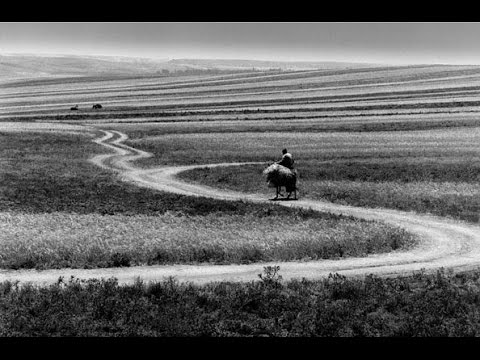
(261, 95)
(57, 210)
(434, 171)
(394, 137)
(61, 240)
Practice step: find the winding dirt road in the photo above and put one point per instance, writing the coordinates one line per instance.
(444, 242)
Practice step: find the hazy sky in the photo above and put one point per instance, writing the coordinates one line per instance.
(395, 43)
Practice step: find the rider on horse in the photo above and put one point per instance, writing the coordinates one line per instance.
(287, 160)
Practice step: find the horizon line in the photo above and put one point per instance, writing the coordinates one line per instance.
(166, 59)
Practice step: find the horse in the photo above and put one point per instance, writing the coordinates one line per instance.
(279, 176)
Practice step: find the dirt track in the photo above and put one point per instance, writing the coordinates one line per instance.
(445, 243)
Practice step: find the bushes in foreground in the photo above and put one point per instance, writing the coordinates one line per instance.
(440, 304)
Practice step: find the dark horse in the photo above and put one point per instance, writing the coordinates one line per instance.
(74, 107)
(97, 106)
(279, 176)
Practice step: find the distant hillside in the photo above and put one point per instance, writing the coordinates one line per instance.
(33, 66)
(28, 66)
(262, 65)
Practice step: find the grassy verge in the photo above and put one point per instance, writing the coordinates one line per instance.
(424, 305)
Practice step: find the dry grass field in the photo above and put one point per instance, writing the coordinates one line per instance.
(435, 171)
(321, 94)
(394, 137)
(59, 210)
(404, 138)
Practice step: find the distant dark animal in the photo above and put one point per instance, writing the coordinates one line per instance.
(97, 106)
(74, 107)
(278, 176)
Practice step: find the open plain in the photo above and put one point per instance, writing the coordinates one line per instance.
(397, 138)
(166, 178)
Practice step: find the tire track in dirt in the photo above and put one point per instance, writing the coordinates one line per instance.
(444, 242)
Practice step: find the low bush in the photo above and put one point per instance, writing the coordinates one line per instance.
(427, 305)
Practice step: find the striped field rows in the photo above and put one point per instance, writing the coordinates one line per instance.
(417, 91)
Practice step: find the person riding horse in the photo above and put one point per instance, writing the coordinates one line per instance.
(287, 160)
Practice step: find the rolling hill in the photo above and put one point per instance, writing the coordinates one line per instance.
(23, 66)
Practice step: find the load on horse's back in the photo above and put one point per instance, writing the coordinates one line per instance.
(282, 174)
(279, 176)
